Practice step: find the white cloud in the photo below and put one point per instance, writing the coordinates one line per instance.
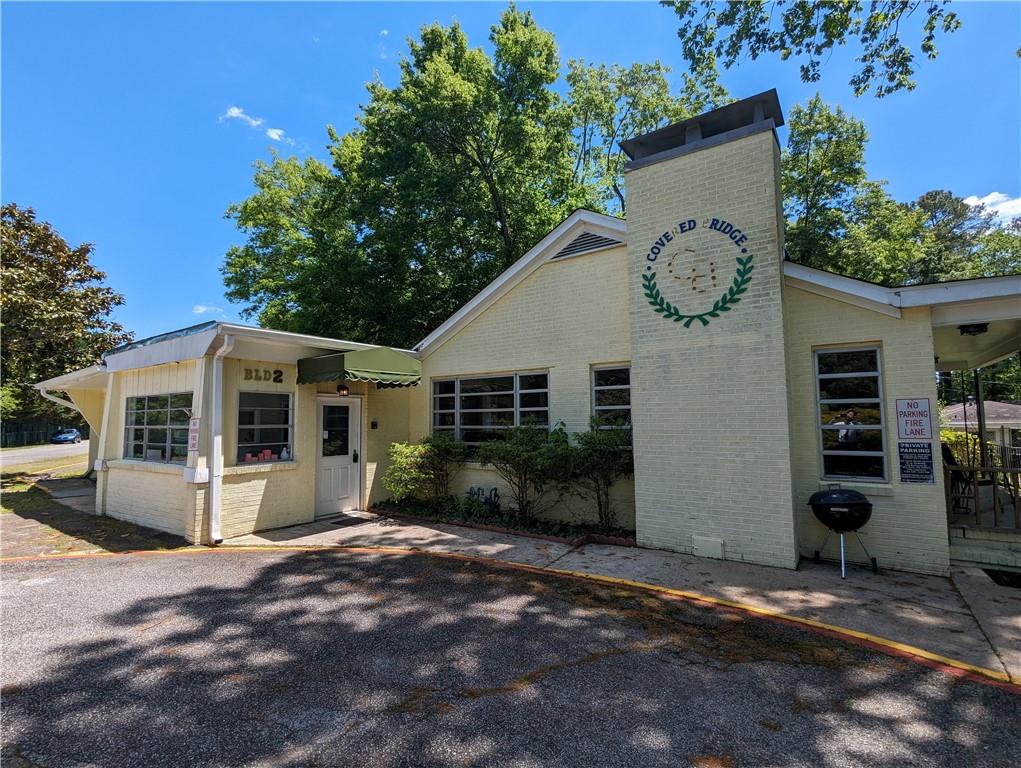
(384, 32)
(206, 309)
(273, 134)
(1005, 208)
(236, 113)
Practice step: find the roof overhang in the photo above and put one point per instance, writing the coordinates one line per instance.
(93, 377)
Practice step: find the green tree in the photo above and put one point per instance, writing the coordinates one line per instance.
(611, 104)
(883, 239)
(955, 231)
(808, 31)
(822, 170)
(533, 463)
(600, 457)
(54, 307)
(450, 177)
(998, 252)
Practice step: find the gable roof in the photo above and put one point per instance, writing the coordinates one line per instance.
(582, 232)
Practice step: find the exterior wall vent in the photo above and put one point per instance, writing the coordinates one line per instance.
(585, 242)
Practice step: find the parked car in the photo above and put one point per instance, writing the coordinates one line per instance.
(68, 435)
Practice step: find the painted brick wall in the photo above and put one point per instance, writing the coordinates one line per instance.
(908, 529)
(710, 403)
(156, 497)
(565, 317)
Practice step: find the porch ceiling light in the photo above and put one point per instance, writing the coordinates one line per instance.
(973, 329)
(343, 390)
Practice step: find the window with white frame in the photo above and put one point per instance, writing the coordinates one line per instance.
(265, 424)
(156, 428)
(849, 386)
(611, 396)
(476, 410)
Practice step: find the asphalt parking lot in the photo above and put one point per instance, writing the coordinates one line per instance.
(336, 658)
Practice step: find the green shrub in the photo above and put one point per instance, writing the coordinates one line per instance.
(405, 477)
(966, 449)
(443, 458)
(425, 470)
(532, 462)
(599, 458)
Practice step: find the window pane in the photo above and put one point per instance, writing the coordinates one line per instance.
(853, 466)
(246, 436)
(280, 435)
(136, 403)
(852, 440)
(157, 401)
(443, 403)
(272, 416)
(443, 420)
(264, 400)
(487, 402)
(179, 417)
(533, 400)
(613, 396)
(498, 384)
(137, 451)
(178, 454)
(336, 417)
(137, 418)
(443, 387)
(856, 413)
(533, 381)
(614, 417)
(335, 428)
(179, 436)
(181, 400)
(609, 377)
(136, 435)
(155, 452)
(863, 361)
(849, 388)
(479, 435)
(157, 418)
(535, 418)
(487, 419)
(156, 435)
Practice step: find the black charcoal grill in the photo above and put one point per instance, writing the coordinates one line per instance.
(842, 510)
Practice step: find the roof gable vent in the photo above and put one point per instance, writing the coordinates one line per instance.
(585, 242)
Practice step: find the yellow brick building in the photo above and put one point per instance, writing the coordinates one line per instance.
(750, 382)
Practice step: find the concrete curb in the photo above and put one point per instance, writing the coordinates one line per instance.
(921, 656)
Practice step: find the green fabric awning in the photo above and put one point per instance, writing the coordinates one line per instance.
(382, 365)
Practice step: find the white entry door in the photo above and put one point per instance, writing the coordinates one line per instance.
(338, 465)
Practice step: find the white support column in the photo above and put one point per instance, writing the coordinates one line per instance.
(216, 442)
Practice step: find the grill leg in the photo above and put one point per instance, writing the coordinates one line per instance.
(843, 574)
(872, 560)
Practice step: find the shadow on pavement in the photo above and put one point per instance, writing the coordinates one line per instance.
(330, 658)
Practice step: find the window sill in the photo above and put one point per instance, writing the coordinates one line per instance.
(256, 468)
(136, 465)
(878, 488)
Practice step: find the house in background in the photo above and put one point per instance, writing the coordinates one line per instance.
(1002, 426)
(750, 382)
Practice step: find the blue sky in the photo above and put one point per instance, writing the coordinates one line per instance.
(116, 126)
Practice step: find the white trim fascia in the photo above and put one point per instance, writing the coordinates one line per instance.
(983, 288)
(539, 254)
(66, 380)
(876, 294)
(985, 311)
(843, 296)
(286, 337)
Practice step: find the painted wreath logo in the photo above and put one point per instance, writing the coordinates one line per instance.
(727, 301)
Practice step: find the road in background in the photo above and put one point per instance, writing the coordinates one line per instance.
(12, 457)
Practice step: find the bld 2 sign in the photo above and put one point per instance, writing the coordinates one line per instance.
(264, 374)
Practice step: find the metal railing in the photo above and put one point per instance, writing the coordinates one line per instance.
(984, 497)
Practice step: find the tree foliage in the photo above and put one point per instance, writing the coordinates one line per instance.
(841, 221)
(54, 307)
(809, 31)
(599, 458)
(448, 179)
(533, 462)
(611, 104)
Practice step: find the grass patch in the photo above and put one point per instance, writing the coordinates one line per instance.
(19, 494)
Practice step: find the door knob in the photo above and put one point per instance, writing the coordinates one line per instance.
(354, 457)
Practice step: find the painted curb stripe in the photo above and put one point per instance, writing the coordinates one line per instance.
(946, 664)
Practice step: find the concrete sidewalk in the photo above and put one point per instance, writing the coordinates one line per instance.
(968, 618)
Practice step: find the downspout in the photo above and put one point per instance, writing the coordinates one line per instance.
(58, 400)
(216, 475)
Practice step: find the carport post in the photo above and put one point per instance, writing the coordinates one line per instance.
(216, 427)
